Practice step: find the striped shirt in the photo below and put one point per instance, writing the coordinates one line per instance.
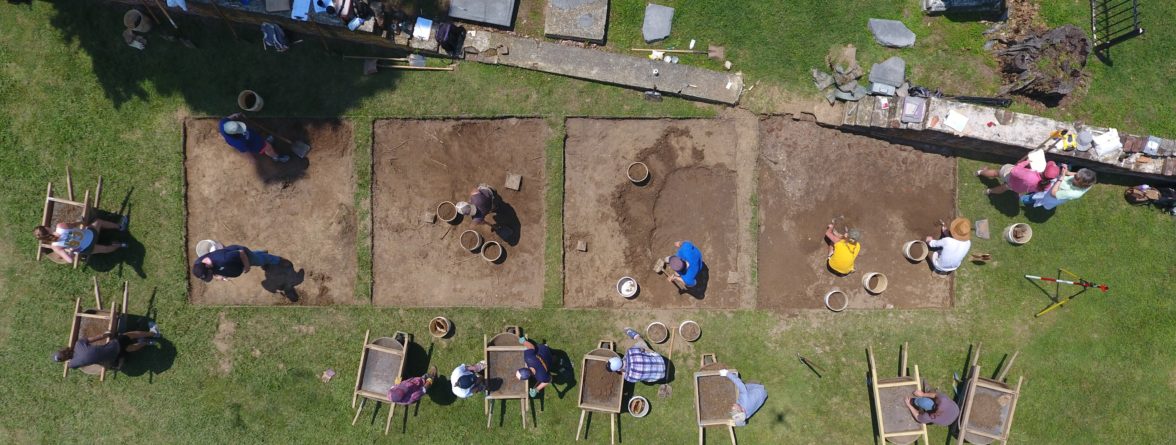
(641, 365)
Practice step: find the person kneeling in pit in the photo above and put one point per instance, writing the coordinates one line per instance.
(949, 251)
(480, 205)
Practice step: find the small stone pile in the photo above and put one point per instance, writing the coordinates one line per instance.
(1047, 66)
(886, 79)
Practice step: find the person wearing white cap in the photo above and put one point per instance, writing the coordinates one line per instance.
(238, 136)
(480, 205)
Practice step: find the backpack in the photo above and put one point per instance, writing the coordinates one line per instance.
(273, 37)
(1139, 195)
(450, 36)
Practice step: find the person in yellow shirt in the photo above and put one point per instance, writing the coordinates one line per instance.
(843, 249)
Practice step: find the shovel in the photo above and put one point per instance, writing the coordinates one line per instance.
(298, 147)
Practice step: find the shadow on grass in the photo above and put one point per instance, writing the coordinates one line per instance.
(304, 80)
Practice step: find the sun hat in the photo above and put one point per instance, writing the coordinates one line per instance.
(924, 403)
(854, 235)
(961, 229)
(614, 364)
(466, 381)
(464, 208)
(524, 373)
(677, 264)
(233, 127)
(1051, 170)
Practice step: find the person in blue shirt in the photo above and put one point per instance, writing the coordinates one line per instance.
(240, 137)
(750, 399)
(539, 361)
(231, 262)
(686, 264)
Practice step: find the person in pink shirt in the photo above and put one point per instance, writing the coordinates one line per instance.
(1019, 177)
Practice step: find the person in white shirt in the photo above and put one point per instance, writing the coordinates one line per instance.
(951, 248)
(466, 379)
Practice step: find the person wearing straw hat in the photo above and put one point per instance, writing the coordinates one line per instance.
(949, 251)
(843, 249)
(481, 203)
(238, 136)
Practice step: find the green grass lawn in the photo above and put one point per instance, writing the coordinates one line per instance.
(1098, 371)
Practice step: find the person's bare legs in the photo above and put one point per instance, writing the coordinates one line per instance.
(988, 172)
(832, 237)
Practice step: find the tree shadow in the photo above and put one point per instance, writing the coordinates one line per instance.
(283, 279)
(208, 78)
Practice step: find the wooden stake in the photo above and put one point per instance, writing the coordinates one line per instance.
(671, 356)
(226, 19)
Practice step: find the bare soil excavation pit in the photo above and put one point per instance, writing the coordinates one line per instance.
(302, 210)
(420, 163)
(691, 194)
(807, 176)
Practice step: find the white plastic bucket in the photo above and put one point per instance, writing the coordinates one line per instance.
(911, 250)
(1025, 237)
(249, 100)
(877, 280)
(205, 246)
(627, 287)
(831, 300)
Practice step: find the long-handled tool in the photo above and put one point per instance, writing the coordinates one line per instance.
(811, 366)
(1058, 282)
(179, 34)
(299, 148)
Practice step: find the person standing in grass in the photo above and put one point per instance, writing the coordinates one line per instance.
(949, 251)
(843, 249)
(238, 136)
(84, 352)
(467, 380)
(1068, 187)
(68, 239)
(231, 262)
(932, 407)
(641, 364)
(750, 399)
(538, 359)
(409, 391)
(1019, 177)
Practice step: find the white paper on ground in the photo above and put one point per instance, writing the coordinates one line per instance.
(300, 9)
(423, 29)
(1037, 160)
(956, 121)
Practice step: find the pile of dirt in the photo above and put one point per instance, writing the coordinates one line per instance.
(657, 333)
(690, 331)
(1046, 66)
(715, 396)
(602, 387)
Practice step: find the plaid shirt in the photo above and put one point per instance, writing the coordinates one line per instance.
(641, 365)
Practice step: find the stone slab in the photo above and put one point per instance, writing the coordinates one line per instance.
(892, 33)
(583, 20)
(491, 12)
(890, 72)
(657, 22)
(619, 69)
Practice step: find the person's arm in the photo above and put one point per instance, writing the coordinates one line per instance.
(62, 253)
(920, 393)
(100, 337)
(910, 404)
(734, 378)
(244, 260)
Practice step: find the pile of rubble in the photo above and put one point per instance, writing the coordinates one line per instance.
(886, 79)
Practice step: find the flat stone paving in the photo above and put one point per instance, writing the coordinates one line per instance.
(576, 20)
